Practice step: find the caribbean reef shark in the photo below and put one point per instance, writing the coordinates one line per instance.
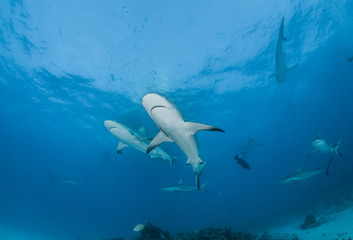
(135, 139)
(321, 146)
(173, 128)
(300, 174)
(61, 179)
(281, 68)
(180, 187)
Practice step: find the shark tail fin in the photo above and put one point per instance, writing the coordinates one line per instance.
(204, 185)
(172, 161)
(50, 175)
(338, 146)
(328, 165)
(198, 173)
(292, 67)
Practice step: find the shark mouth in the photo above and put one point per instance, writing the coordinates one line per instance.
(112, 128)
(158, 106)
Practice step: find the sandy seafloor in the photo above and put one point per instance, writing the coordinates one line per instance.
(336, 223)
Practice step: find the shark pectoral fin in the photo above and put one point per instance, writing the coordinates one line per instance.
(292, 67)
(158, 140)
(193, 127)
(273, 75)
(310, 154)
(120, 147)
(143, 131)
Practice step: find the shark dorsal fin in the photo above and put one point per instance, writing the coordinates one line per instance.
(142, 130)
(180, 181)
(299, 169)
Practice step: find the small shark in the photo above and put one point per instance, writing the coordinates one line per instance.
(135, 139)
(321, 146)
(281, 68)
(300, 174)
(242, 162)
(180, 187)
(173, 128)
(61, 179)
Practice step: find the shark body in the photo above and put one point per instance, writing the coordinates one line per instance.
(173, 128)
(281, 68)
(135, 139)
(180, 187)
(300, 174)
(321, 146)
(62, 179)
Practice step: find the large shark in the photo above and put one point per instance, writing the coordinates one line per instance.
(321, 146)
(135, 139)
(173, 128)
(281, 68)
(300, 174)
(180, 187)
(61, 179)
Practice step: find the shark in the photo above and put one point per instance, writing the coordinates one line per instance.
(300, 174)
(180, 187)
(174, 128)
(252, 142)
(281, 68)
(321, 146)
(135, 139)
(61, 179)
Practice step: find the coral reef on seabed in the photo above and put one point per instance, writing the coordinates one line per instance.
(151, 232)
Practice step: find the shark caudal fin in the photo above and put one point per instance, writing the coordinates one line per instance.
(204, 185)
(50, 175)
(193, 127)
(337, 147)
(328, 165)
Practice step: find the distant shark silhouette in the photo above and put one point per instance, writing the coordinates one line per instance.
(180, 187)
(281, 68)
(173, 128)
(61, 179)
(252, 142)
(300, 174)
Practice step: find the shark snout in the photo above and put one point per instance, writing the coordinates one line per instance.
(151, 100)
(109, 123)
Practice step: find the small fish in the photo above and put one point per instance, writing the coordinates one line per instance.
(139, 227)
(350, 59)
(242, 162)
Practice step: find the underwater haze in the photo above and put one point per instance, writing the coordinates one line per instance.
(67, 66)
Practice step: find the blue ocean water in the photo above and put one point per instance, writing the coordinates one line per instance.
(67, 66)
